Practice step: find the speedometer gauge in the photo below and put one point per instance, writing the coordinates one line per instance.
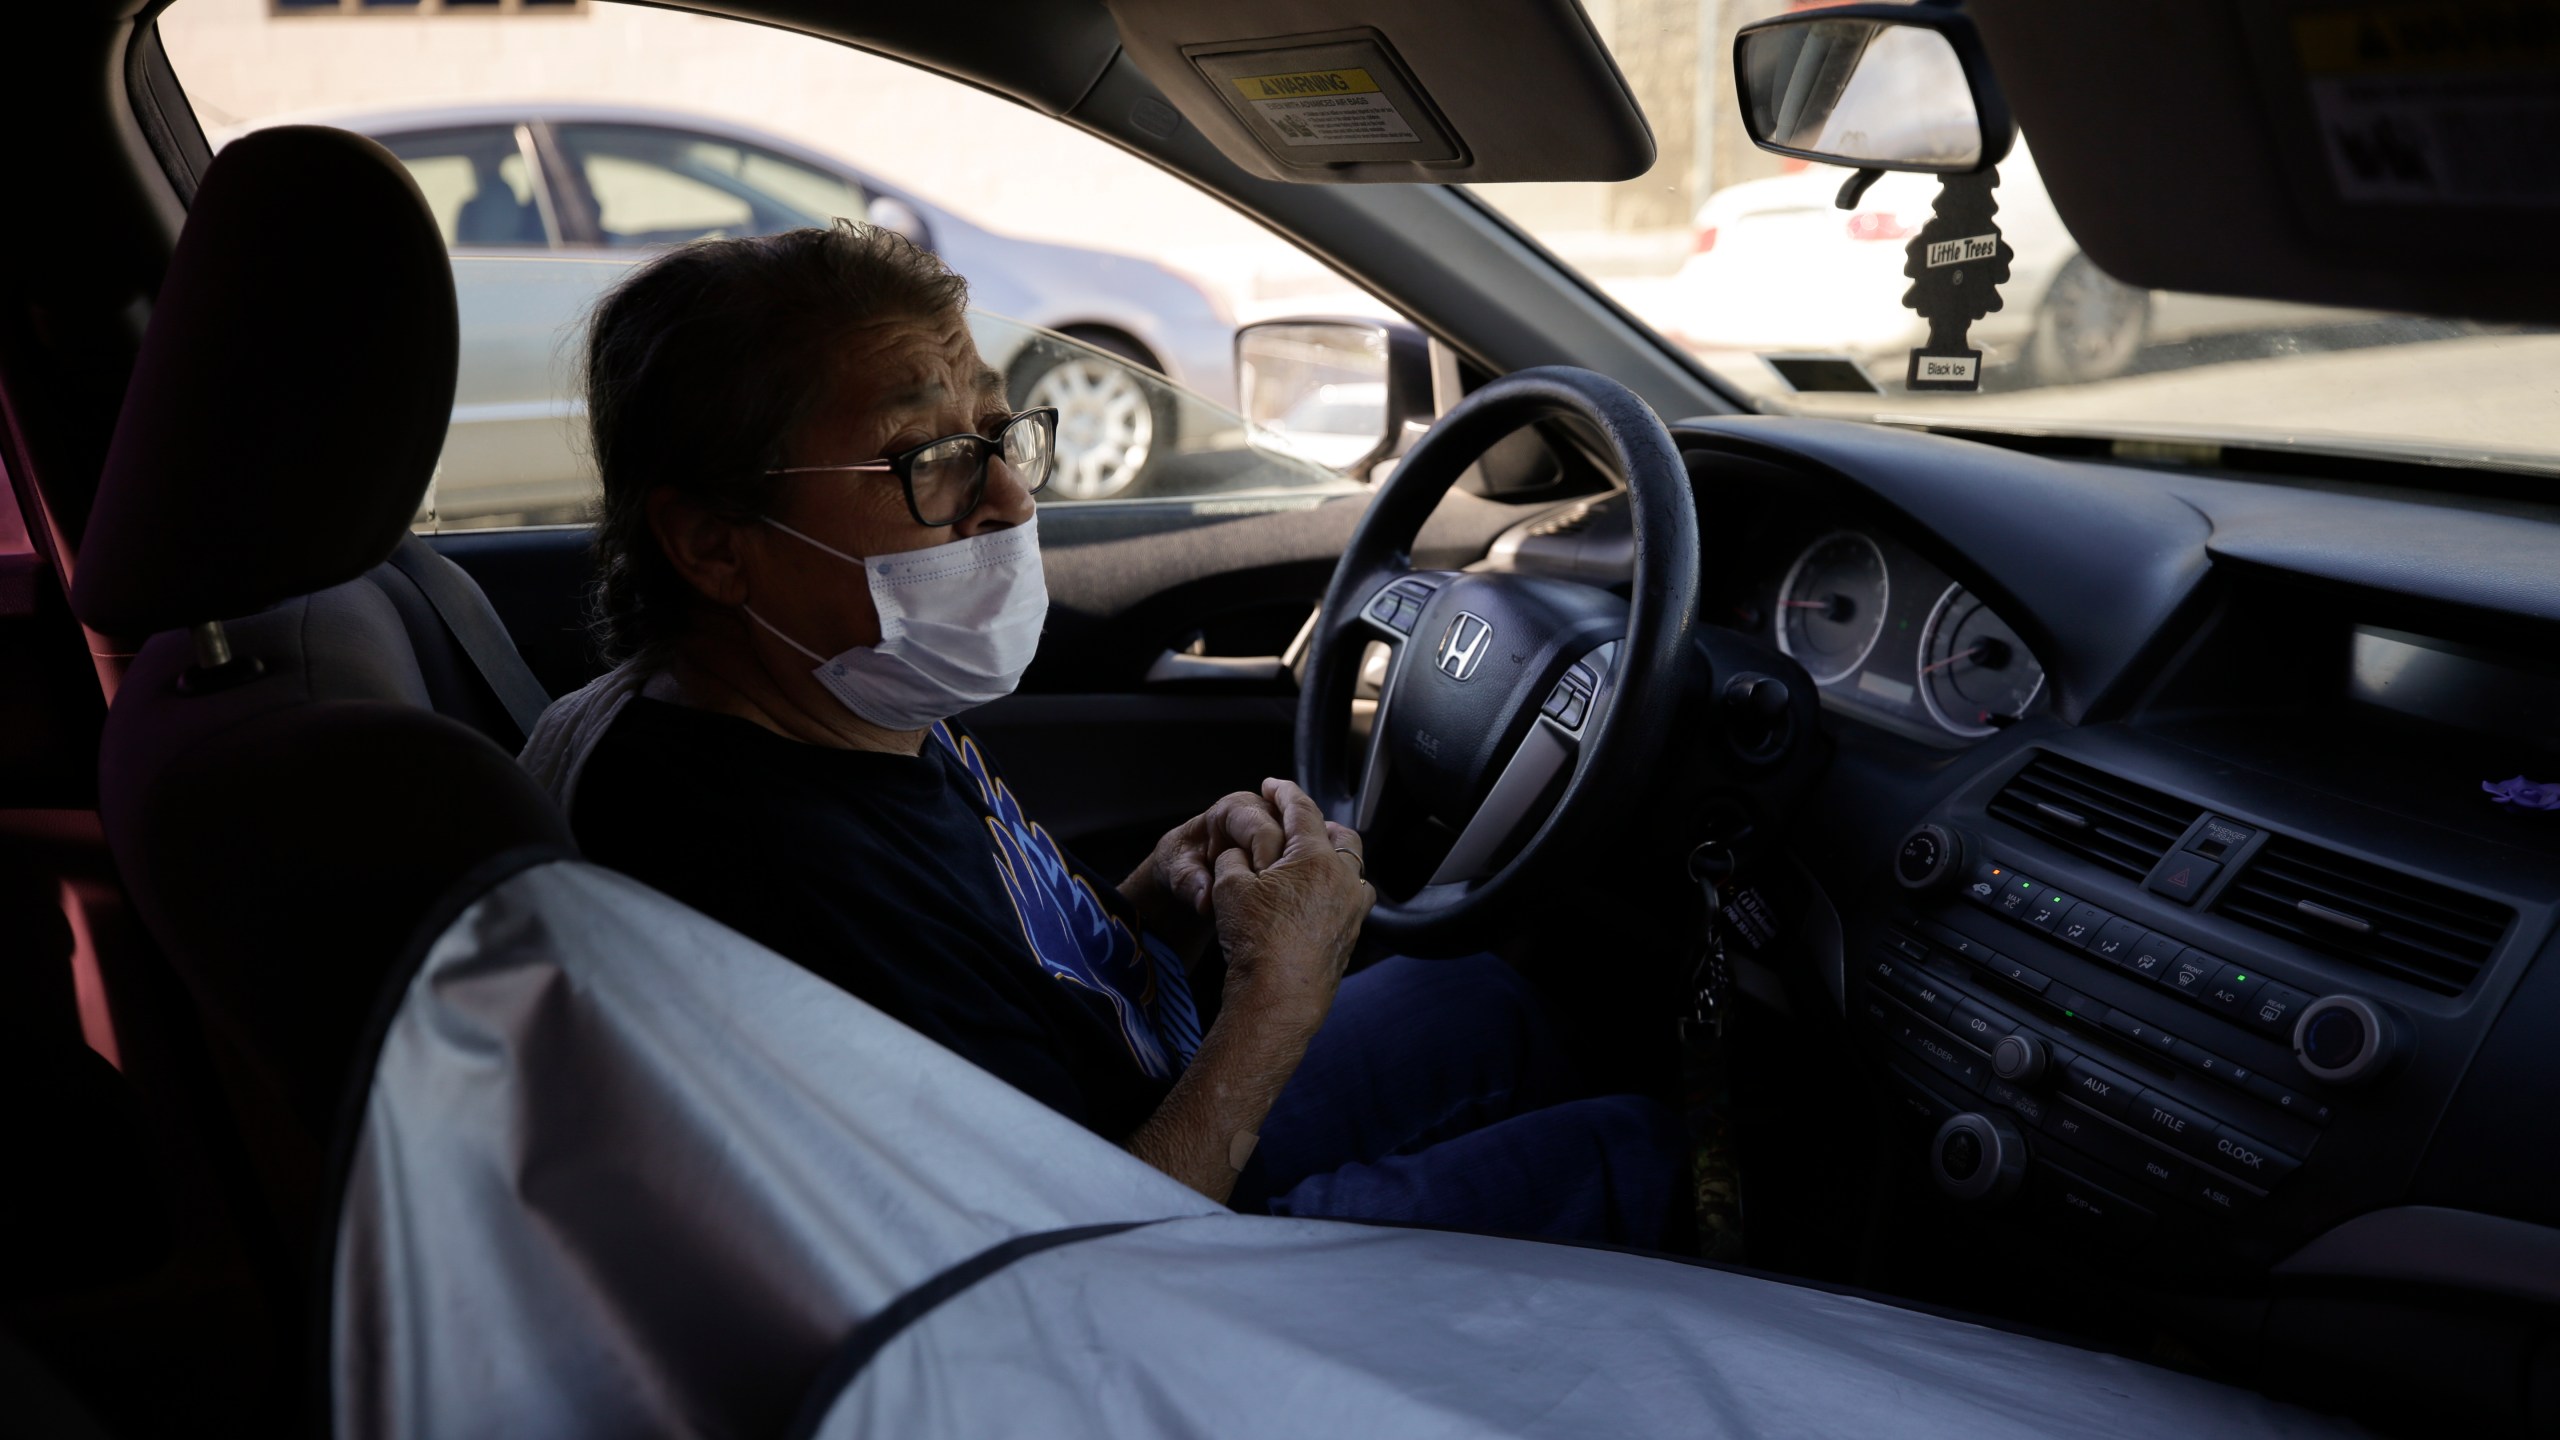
(1831, 606)
(1975, 674)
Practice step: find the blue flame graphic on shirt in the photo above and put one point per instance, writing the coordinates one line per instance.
(1077, 939)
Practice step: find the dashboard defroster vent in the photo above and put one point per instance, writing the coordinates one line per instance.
(2394, 925)
(2102, 818)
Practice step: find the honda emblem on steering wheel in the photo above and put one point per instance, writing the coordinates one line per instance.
(1465, 642)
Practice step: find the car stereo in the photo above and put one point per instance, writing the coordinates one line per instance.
(2098, 1047)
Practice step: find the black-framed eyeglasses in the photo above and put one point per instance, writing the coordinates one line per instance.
(946, 479)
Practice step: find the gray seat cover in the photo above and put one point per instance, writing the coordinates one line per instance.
(621, 1171)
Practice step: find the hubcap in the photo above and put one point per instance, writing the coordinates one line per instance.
(1106, 428)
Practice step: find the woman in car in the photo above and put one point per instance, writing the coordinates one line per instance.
(818, 544)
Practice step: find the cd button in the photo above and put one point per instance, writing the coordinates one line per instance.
(1979, 1026)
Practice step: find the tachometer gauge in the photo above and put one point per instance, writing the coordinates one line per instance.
(1831, 606)
(1974, 672)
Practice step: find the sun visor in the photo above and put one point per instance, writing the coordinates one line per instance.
(1449, 91)
(2389, 156)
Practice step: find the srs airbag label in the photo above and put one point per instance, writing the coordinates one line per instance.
(1326, 107)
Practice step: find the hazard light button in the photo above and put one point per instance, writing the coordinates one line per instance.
(2182, 877)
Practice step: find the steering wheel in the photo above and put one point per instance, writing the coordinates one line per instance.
(1519, 711)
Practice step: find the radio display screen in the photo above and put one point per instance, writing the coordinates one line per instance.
(2455, 684)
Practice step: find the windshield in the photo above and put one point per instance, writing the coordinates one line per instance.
(1743, 259)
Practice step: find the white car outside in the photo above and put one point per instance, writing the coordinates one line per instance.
(1778, 267)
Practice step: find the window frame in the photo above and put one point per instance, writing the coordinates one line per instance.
(571, 177)
(537, 181)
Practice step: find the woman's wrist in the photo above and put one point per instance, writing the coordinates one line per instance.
(1282, 998)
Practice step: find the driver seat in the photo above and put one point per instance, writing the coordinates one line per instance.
(286, 804)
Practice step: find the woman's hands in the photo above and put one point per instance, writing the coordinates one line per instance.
(1287, 922)
(1174, 889)
(1285, 891)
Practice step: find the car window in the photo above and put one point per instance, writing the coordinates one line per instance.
(652, 186)
(477, 183)
(1748, 261)
(1112, 290)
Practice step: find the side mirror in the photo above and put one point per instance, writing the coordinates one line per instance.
(1877, 87)
(1338, 392)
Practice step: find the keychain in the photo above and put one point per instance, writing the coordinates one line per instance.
(1714, 1171)
(1711, 864)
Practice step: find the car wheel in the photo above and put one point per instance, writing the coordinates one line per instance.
(1111, 421)
(2091, 326)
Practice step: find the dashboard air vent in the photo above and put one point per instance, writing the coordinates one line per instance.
(2392, 924)
(2099, 817)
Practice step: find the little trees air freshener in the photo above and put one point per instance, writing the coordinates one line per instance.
(1957, 264)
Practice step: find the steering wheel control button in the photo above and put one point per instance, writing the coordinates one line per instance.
(2232, 989)
(2099, 1088)
(2019, 1057)
(2183, 876)
(2115, 940)
(2342, 1039)
(1978, 1157)
(1928, 857)
(2082, 925)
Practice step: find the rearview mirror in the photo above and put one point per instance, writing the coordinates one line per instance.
(1879, 87)
(1334, 391)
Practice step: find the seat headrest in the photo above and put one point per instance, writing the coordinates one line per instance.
(292, 392)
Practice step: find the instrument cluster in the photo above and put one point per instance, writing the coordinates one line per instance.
(1887, 635)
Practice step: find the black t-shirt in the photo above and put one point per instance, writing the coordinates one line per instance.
(914, 882)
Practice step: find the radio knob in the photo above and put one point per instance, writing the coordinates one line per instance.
(1978, 1157)
(1929, 857)
(2344, 1039)
(2019, 1058)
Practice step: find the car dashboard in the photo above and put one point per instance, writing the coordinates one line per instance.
(2177, 923)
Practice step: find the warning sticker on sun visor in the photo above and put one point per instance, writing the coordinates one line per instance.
(2449, 102)
(1326, 107)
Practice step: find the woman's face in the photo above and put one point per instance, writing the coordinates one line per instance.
(905, 382)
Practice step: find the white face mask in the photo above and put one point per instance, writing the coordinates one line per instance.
(958, 626)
